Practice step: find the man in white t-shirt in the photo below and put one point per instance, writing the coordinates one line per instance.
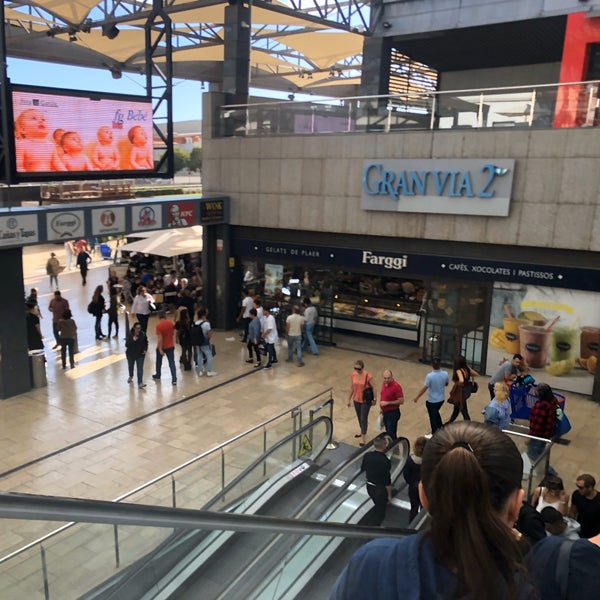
(294, 325)
(244, 316)
(270, 336)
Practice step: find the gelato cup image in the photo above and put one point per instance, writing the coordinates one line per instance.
(511, 334)
(563, 344)
(589, 342)
(534, 343)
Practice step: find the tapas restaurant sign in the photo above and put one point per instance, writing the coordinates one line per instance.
(446, 186)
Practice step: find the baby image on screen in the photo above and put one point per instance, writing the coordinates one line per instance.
(105, 156)
(34, 151)
(141, 151)
(74, 158)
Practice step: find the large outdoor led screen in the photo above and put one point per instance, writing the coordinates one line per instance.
(65, 134)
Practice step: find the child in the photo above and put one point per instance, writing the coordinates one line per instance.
(34, 152)
(74, 157)
(106, 157)
(141, 153)
(497, 412)
(412, 475)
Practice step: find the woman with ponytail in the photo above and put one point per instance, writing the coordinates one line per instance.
(471, 487)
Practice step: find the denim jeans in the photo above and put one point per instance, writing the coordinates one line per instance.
(139, 364)
(204, 352)
(98, 326)
(390, 420)
(271, 354)
(433, 409)
(309, 330)
(297, 340)
(170, 354)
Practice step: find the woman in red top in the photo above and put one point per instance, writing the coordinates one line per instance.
(360, 380)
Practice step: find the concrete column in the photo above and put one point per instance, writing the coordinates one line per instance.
(236, 63)
(216, 273)
(15, 377)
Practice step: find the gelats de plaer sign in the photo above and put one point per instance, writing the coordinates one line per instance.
(440, 186)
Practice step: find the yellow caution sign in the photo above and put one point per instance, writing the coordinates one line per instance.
(306, 447)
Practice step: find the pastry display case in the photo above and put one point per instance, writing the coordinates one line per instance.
(378, 306)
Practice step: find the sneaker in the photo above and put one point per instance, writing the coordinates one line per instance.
(200, 373)
(174, 382)
(156, 377)
(129, 379)
(211, 373)
(257, 366)
(275, 361)
(141, 386)
(301, 364)
(268, 366)
(249, 361)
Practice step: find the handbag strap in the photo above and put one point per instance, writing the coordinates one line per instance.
(563, 566)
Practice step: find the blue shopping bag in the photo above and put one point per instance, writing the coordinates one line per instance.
(563, 425)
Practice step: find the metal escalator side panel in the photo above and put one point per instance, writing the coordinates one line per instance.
(310, 552)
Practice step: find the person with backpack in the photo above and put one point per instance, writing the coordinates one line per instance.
(201, 335)
(97, 307)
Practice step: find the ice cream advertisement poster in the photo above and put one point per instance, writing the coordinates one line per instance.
(55, 133)
(556, 330)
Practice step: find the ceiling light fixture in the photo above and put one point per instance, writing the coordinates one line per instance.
(110, 30)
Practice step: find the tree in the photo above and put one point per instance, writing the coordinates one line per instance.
(195, 162)
(180, 159)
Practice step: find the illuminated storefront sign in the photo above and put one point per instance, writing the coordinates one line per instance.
(454, 186)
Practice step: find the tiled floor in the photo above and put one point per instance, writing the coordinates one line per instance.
(122, 437)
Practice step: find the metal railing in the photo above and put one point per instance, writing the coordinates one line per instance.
(292, 424)
(543, 106)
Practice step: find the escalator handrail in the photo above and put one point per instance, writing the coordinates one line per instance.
(219, 447)
(261, 459)
(36, 507)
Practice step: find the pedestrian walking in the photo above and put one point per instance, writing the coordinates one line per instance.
(97, 307)
(360, 380)
(435, 384)
(136, 347)
(53, 269)
(165, 346)
(311, 317)
(67, 331)
(83, 261)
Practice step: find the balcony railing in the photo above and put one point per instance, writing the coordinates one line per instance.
(541, 107)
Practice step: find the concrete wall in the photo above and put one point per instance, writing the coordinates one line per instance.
(313, 183)
(434, 15)
(527, 75)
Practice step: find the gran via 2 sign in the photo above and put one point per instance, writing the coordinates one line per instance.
(445, 186)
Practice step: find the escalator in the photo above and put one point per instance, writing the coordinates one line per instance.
(279, 530)
(257, 565)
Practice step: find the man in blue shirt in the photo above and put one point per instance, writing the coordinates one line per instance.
(435, 384)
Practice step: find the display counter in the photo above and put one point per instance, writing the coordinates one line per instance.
(377, 315)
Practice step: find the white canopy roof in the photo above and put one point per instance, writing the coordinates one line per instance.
(169, 243)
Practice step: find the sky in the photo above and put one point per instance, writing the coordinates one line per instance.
(187, 95)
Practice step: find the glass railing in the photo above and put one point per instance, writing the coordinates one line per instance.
(540, 106)
(534, 467)
(140, 522)
(191, 485)
(280, 554)
(80, 556)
